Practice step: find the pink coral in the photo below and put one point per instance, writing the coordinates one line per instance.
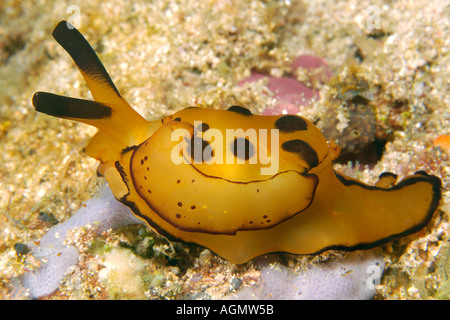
(290, 93)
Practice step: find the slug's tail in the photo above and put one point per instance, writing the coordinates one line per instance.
(109, 112)
(387, 211)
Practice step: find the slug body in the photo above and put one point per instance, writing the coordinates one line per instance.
(239, 184)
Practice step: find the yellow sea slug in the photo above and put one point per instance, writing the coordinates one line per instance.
(237, 183)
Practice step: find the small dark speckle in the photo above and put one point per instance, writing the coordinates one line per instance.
(178, 216)
(48, 218)
(236, 283)
(193, 207)
(21, 249)
(179, 204)
(193, 180)
(149, 191)
(178, 181)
